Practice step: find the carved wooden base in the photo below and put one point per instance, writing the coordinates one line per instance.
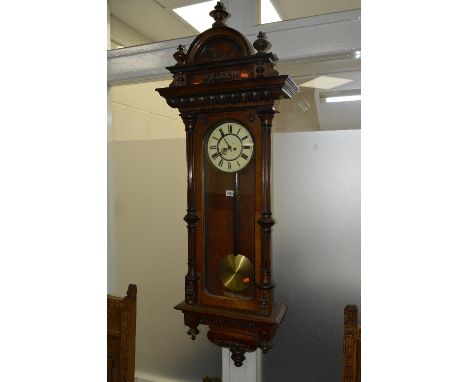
(234, 329)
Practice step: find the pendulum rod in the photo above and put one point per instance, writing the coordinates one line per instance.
(236, 206)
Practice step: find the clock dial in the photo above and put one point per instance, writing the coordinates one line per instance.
(230, 147)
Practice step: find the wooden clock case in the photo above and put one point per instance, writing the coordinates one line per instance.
(222, 78)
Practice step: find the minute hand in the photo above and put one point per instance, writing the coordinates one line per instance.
(229, 146)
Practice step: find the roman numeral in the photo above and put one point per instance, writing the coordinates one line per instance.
(247, 146)
(229, 165)
(220, 164)
(244, 156)
(238, 163)
(215, 155)
(238, 131)
(222, 132)
(245, 137)
(212, 147)
(230, 129)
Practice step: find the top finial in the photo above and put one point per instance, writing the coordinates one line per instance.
(261, 44)
(219, 14)
(180, 55)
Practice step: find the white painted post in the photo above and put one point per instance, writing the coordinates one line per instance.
(250, 371)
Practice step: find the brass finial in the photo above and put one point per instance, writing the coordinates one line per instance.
(219, 14)
(180, 55)
(261, 44)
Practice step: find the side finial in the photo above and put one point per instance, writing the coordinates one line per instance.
(180, 55)
(219, 14)
(261, 44)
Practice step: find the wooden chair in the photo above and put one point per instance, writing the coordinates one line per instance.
(121, 330)
(351, 345)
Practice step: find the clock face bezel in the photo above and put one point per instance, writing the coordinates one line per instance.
(238, 161)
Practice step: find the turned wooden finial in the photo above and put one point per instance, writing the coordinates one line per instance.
(180, 55)
(350, 314)
(261, 44)
(219, 14)
(131, 290)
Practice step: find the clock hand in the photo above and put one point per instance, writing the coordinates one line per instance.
(229, 146)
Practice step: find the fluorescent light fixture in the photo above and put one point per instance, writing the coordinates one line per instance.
(325, 82)
(268, 13)
(198, 15)
(343, 99)
(341, 96)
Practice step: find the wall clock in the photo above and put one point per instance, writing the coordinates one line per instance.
(225, 90)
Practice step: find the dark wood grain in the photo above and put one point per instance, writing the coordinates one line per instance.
(121, 331)
(351, 345)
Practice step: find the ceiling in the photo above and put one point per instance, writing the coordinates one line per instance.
(295, 9)
(305, 112)
(136, 22)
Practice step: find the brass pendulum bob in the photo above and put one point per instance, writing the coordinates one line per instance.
(236, 272)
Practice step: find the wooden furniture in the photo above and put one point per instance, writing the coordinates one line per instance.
(226, 91)
(211, 379)
(351, 345)
(121, 330)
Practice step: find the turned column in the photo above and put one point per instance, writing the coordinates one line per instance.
(266, 221)
(191, 278)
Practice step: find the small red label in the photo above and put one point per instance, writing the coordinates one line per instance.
(246, 280)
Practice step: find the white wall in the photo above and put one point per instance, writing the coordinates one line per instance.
(147, 236)
(316, 250)
(150, 242)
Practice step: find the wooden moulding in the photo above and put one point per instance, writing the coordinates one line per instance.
(246, 93)
(234, 329)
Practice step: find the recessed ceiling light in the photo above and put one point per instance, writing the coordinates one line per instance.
(357, 54)
(325, 82)
(343, 99)
(268, 13)
(341, 96)
(198, 15)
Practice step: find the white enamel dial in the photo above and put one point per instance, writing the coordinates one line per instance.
(230, 147)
